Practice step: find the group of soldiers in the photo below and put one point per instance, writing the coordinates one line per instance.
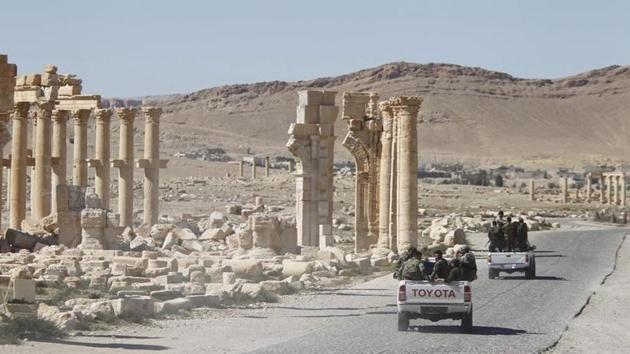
(508, 236)
(412, 266)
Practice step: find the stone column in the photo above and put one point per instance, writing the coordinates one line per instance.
(588, 187)
(406, 111)
(59, 154)
(531, 189)
(152, 164)
(623, 189)
(241, 169)
(564, 190)
(615, 190)
(267, 163)
(17, 205)
(125, 165)
(393, 188)
(79, 168)
(601, 188)
(385, 175)
(254, 168)
(43, 163)
(5, 136)
(609, 189)
(102, 161)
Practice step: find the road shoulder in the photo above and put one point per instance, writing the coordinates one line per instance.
(602, 325)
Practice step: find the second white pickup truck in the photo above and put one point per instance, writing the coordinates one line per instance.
(435, 301)
(511, 262)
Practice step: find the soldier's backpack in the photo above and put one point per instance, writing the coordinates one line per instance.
(411, 270)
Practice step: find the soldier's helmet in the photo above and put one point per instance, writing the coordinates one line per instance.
(465, 249)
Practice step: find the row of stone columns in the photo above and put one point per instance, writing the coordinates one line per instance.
(615, 183)
(51, 156)
(398, 203)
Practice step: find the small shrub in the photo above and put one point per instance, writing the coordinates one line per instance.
(12, 330)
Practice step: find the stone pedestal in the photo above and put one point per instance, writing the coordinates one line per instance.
(79, 168)
(43, 167)
(93, 224)
(17, 205)
(124, 163)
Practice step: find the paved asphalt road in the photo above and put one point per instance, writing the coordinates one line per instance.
(511, 314)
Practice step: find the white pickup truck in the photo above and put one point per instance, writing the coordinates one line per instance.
(434, 301)
(511, 262)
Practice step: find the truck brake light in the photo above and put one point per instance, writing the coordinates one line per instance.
(489, 258)
(526, 258)
(402, 293)
(467, 293)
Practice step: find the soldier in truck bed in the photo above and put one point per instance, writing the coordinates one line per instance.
(440, 268)
(510, 235)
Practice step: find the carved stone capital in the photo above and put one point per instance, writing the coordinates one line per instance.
(44, 110)
(152, 114)
(81, 116)
(126, 115)
(60, 116)
(21, 110)
(103, 115)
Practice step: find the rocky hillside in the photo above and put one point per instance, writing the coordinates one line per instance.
(469, 114)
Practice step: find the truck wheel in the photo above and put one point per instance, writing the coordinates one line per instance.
(403, 322)
(530, 273)
(534, 270)
(492, 273)
(467, 322)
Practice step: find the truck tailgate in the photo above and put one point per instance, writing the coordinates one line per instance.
(508, 258)
(424, 292)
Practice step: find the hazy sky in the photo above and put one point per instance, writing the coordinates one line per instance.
(134, 47)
